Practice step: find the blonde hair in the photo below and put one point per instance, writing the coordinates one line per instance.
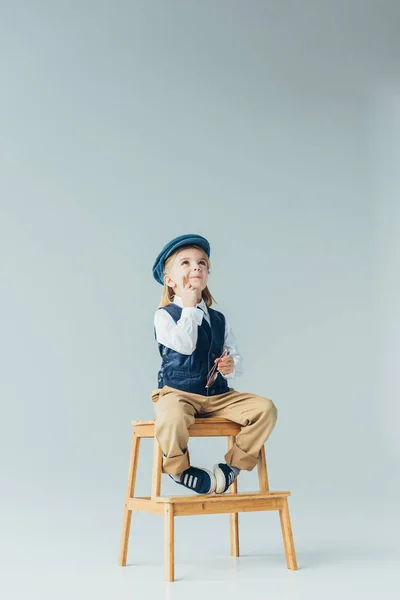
(168, 293)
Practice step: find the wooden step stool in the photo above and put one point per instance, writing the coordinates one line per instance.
(200, 504)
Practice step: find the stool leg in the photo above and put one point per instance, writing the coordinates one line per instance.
(130, 488)
(262, 471)
(287, 534)
(169, 541)
(156, 472)
(234, 517)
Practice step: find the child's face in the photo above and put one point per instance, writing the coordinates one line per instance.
(189, 265)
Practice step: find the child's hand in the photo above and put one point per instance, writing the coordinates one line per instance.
(226, 365)
(189, 294)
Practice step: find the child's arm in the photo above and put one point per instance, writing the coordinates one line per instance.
(180, 336)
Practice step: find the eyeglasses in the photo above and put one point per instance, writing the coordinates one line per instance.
(213, 373)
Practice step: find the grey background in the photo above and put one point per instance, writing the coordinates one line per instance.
(273, 130)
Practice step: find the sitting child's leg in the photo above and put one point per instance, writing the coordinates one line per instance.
(258, 417)
(174, 415)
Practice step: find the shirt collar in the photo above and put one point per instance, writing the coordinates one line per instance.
(178, 300)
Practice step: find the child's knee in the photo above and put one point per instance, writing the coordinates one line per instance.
(170, 410)
(268, 408)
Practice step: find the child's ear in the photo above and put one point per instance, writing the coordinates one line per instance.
(168, 281)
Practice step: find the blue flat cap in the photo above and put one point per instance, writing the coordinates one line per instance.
(189, 239)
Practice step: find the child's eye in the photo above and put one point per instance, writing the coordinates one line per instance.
(203, 262)
(185, 262)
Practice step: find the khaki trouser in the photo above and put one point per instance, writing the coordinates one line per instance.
(176, 411)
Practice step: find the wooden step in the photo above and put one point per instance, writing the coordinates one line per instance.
(203, 427)
(198, 420)
(220, 497)
(213, 504)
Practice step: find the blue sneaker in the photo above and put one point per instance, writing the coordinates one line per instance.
(224, 476)
(197, 480)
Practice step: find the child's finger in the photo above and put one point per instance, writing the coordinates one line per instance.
(227, 360)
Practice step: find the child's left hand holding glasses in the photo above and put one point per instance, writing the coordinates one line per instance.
(225, 364)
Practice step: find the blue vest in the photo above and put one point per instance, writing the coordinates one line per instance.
(189, 373)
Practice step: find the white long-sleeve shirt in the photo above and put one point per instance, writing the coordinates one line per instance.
(182, 336)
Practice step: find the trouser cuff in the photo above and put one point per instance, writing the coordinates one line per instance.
(175, 464)
(236, 457)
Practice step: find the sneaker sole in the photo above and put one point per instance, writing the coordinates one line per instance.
(220, 480)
